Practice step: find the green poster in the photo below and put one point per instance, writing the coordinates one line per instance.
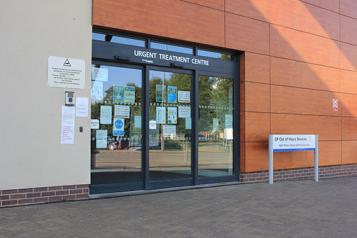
(118, 94)
(160, 93)
(129, 95)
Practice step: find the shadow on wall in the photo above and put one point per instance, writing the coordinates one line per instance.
(307, 67)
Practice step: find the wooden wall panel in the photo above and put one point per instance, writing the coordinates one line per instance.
(256, 9)
(217, 4)
(348, 56)
(349, 104)
(349, 8)
(246, 34)
(298, 74)
(349, 30)
(348, 81)
(302, 101)
(257, 97)
(333, 5)
(257, 127)
(349, 128)
(292, 44)
(173, 19)
(257, 68)
(349, 152)
(328, 128)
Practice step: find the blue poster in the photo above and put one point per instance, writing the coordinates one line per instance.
(171, 94)
(118, 127)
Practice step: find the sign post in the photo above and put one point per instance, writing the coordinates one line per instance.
(287, 143)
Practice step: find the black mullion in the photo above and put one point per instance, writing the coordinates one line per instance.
(145, 126)
(236, 123)
(194, 140)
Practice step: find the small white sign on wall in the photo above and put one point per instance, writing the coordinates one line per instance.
(66, 72)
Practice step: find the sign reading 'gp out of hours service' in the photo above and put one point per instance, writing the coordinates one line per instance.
(66, 72)
(283, 143)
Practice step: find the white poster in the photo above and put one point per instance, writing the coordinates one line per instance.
(188, 123)
(94, 124)
(67, 125)
(169, 131)
(184, 96)
(172, 115)
(184, 112)
(106, 115)
(66, 72)
(152, 125)
(97, 91)
(82, 106)
(101, 139)
(99, 74)
(160, 115)
(293, 142)
(228, 123)
(122, 111)
(137, 122)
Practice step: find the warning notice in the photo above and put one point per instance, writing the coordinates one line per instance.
(66, 72)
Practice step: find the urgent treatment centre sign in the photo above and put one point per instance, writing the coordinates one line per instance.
(282, 143)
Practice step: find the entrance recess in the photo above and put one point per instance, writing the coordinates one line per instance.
(163, 115)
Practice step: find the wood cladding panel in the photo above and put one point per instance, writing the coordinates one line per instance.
(349, 128)
(305, 17)
(328, 128)
(298, 74)
(173, 19)
(246, 34)
(348, 81)
(332, 5)
(300, 46)
(257, 127)
(349, 8)
(349, 30)
(257, 68)
(217, 4)
(348, 103)
(302, 101)
(257, 97)
(348, 56)
(349, 152)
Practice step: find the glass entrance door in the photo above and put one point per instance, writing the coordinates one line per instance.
(170, 128)
(116, 135)
(215, 127)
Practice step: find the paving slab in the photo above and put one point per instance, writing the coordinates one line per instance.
(286, 209)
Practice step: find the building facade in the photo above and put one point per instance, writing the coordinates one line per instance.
(118, 95)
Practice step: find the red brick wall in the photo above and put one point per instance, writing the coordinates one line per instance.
(298, 57)
(16, 197)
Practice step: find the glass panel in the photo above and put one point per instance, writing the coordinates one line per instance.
(118, 39)
(170, 47)
(170, 125)
(214, 54)
(215, 127)
(116, 125)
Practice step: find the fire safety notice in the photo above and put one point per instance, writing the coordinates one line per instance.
(66, 72)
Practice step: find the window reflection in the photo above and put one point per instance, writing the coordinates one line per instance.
(118, 39)
(215, 127)
(170, 47)
(213, 54)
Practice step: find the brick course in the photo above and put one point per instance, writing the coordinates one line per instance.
(300, 174)
(18, 197)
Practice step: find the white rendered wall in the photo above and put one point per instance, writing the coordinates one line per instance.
(30, 111)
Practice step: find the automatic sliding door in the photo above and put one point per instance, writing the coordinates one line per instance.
(116, 136)
(170, 127)
(215, 127)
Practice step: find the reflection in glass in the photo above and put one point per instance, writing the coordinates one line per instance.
(171, 47)
(213, 54)
(169, 125)
(215, 127)
(116, 125)
(118, 39)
